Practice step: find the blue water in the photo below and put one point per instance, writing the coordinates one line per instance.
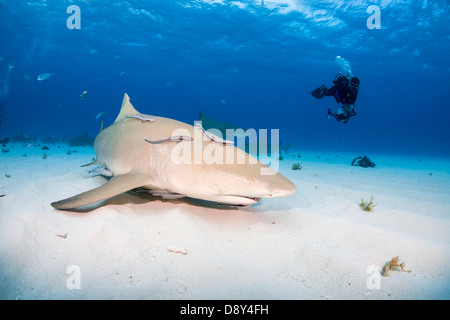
(250, 63)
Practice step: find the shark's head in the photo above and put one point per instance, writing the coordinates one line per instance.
(233, 184)
(244, 190)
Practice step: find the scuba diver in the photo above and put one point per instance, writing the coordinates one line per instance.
(345, 91)
(364, 162)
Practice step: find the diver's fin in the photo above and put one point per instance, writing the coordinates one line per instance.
(318, 93)
(117, 185)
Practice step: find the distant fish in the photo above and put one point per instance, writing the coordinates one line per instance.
(122, 73)
(11, 66)
(117, 57)
(100, 114)
(27, 77)
(93, 51)
(223, 101)
(44, 76)
(82, 95)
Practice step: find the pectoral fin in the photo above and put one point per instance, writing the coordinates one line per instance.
(117, 185)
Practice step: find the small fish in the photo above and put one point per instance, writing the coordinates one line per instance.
(223, 101)
(142, 117)
(213, 137)
(45, 76)
(99, 114)
(176, 139)
(166, 194)
(122, 73)
(161, 193)
(11, 66)
(82, 95)
(26, 76)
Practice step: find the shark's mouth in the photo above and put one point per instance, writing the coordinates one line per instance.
(253, 198)
(237, 201)
(246, 199)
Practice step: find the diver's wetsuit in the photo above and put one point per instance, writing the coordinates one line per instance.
(344, 93)
(341, 91)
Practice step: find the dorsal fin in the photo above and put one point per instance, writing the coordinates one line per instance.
(127, 109)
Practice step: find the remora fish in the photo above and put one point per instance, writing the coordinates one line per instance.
(44, 76)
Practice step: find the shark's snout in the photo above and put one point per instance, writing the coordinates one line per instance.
(264, 187)
(276, 186)
(287, 189)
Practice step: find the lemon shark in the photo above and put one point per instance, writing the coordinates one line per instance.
(173, 159)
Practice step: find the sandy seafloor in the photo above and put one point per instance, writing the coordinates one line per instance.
(315, 244)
